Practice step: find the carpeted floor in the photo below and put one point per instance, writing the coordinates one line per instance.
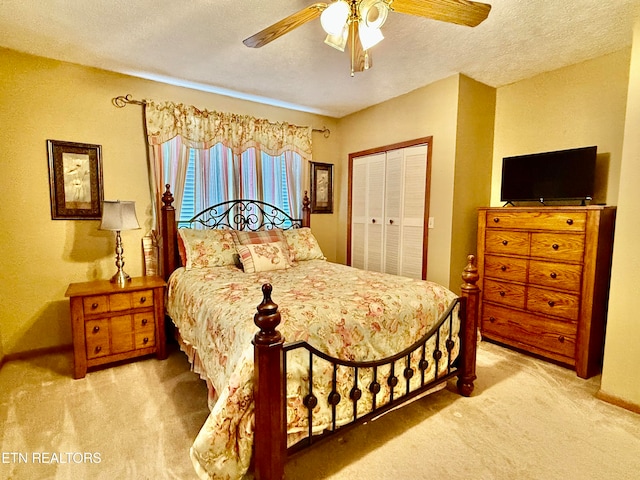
(527, 419)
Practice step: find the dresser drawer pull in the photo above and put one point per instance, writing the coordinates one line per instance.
(553, 275)
(96, 329)
(569, 222)
(145, 340)
(561, 338)
(551, 303)
(492, 319)
(555, 246)
(503, 268)
(144, 321)
(98, 349)
(502, 294)
(505, 242)
(496, 219)
(94, 306)
(143, 299)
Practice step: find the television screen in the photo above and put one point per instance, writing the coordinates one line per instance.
(560, 175)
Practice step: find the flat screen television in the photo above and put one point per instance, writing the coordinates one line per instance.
(560, 175)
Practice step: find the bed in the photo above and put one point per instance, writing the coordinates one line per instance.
(358, 344)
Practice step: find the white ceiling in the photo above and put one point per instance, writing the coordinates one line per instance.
(198, 43)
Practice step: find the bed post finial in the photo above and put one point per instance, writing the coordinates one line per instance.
(469, 327)
(270, 434)
(167, 196)
(306, 210)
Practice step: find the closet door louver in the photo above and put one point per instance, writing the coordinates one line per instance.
(388, 211)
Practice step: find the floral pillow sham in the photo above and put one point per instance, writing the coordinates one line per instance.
(206, 248)
(303, 245)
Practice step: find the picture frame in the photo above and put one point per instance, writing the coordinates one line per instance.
(75, 180)
(321, 187)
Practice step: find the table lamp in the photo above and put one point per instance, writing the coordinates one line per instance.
(118, 216)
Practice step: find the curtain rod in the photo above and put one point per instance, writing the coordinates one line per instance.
(122, 101)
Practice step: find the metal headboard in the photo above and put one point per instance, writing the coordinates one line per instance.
(250, 215)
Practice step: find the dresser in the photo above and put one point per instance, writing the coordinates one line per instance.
(544, 275)
(111, 323)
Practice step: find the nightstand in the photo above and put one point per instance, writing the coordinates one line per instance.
(111, 323)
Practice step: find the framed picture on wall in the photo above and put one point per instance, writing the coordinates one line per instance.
(75, 180)
(321, 187)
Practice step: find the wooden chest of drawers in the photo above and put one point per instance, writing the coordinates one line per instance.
(544, 275)
(112, 323)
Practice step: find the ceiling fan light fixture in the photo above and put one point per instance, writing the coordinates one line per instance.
(339, 42)
(373, 13)
(335, 17)
(369, 36)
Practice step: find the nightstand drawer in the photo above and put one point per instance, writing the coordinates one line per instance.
(144, 329)
(95, 304)
(125, 301)
(97, 335)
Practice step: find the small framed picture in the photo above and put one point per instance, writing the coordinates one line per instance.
(75, 180)
(321, 187)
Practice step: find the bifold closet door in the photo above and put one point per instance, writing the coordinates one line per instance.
(367, 212)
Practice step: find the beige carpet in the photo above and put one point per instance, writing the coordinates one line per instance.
(527, 419)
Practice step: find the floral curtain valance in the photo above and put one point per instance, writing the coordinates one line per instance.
(204, 129)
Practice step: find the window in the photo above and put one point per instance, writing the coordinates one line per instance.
(216, 175)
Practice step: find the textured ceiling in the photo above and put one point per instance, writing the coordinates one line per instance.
(198, 43)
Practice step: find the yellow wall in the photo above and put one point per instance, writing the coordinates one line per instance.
(621, 375)
(432, 110)
(575, 106)
(43, 99)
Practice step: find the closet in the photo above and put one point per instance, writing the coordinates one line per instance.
(388, 208)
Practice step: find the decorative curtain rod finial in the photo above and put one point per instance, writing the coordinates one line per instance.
(122, 101)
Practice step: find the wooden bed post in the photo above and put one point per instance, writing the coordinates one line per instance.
(270, 435)
(169, 233)
(306, 210)
(471, 293)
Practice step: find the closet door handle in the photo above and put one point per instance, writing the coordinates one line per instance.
(373, 220)
(391, 221)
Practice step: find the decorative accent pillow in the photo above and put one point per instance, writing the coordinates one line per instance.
(263, 257)
(263, 236)
(302, 245)
(207, 248)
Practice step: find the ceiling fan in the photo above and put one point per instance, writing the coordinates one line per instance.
(346, 20)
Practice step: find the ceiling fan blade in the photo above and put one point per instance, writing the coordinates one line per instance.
(285, 25)
(461, 12)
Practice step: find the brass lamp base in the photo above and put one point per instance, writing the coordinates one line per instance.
(121, 278)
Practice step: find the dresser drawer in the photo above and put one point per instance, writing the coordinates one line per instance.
(564, 276)
(537, 220)
(550, 302)
(504, 293)
(507, 243)
(522, 329)
(97, 338)
(125, 301)
(506, 268)
(562, 247)
(95, 304)
(144, 329)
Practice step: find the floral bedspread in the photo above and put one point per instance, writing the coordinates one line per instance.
(342, 311)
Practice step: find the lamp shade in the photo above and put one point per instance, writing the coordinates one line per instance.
(334, 17)
(119, 215)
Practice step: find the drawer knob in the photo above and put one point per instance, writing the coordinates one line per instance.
(144, 321)
(143, 299)
(96, 329)
(505, 242)
(553, 275)
(145, 340)
(496, 219)
(555, 246)
(561, 338)
(492, 319)
(503, 268)
(551, 303)
(98, 349)
(502, 294)
(94, 306)
(569, 222)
